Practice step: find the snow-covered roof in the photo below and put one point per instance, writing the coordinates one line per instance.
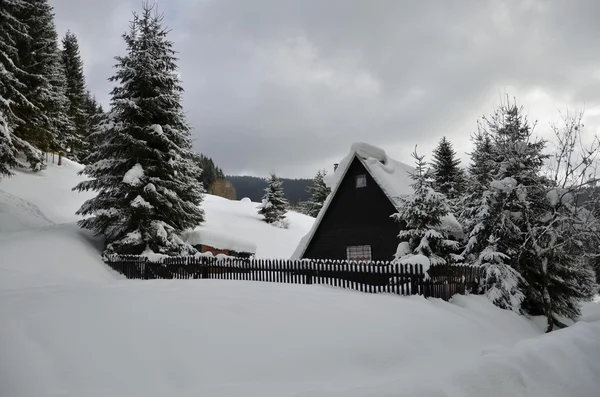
(218, 240)
(392, 176)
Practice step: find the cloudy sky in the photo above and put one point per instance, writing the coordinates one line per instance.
(288, 85)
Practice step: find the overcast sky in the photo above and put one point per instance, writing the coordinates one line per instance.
(288, 85)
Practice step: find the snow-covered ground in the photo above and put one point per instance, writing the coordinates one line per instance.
(29, 201)
(72, 327)
(240, 221)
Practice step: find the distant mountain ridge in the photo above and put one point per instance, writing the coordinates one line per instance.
(254, 188)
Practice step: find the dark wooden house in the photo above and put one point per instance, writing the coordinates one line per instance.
(355, 222)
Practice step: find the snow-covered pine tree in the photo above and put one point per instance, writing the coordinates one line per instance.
(79, 110)
(448, 177)
(481, 166)
(45, 123)
(143, 170)
(423, 241)
(274, 204)
(562, 232)
(513, 160)
(502, 283)
(12, 88)
(318, 192)
(93, 123)
(479, 174)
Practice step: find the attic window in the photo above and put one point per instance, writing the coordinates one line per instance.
(361, 181)
(358, 253)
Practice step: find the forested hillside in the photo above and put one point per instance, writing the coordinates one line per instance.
(254, 188)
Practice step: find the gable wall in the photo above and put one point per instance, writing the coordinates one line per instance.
(356, 217)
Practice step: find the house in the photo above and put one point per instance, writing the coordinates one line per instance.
(355, 222)
(206, 240)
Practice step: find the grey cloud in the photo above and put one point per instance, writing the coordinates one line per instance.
(288, 85)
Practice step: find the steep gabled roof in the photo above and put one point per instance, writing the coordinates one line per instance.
(393, 177)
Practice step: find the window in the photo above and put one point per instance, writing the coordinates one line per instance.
(358, 253)
(361, 180)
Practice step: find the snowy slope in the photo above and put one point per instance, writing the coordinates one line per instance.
(240, 221)
(32, 200)
(46, 196)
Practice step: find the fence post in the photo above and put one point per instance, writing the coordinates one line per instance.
(204, 267)
(145, 271)
(309, 276)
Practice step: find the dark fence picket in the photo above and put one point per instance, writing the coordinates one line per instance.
(442, 281)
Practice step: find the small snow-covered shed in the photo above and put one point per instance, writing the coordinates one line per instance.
(206, 240)
(355, 222)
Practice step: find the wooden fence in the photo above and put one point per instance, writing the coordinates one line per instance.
(372, 277)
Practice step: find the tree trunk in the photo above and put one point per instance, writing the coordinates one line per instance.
(546, 297)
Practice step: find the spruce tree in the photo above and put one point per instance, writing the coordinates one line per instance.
(13, 89)
(318, 192)
(45, 123)
(95, 115)
(80, 110)
(210, 172)
(274, 204)
(423, 240)
(512, 159)
(480, 168)
(143, 170)
(535, 232)
(448, 177)
(502, 284)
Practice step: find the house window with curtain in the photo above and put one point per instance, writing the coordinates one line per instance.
(358, 253)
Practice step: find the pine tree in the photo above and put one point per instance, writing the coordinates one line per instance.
(479, 177)
(423, 240)
(274, 204)
(533, 230)
(502, 284)
(95, 116)
(480, 169)
(80, 110)
(210, 172)
(143, 170)
(318, 192)
(45, 123)
(506, 151)
(12, 90)
(448, 177)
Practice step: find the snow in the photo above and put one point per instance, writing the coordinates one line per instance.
(365, 151)
(157, 129)
(218, 240)
(140, 202)
(416, 259)
(73, 327)
(240, 221)
(452, 226)
(504, 185)
(552, 197)
(393, 176)
(29, 200)
(134, 175)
